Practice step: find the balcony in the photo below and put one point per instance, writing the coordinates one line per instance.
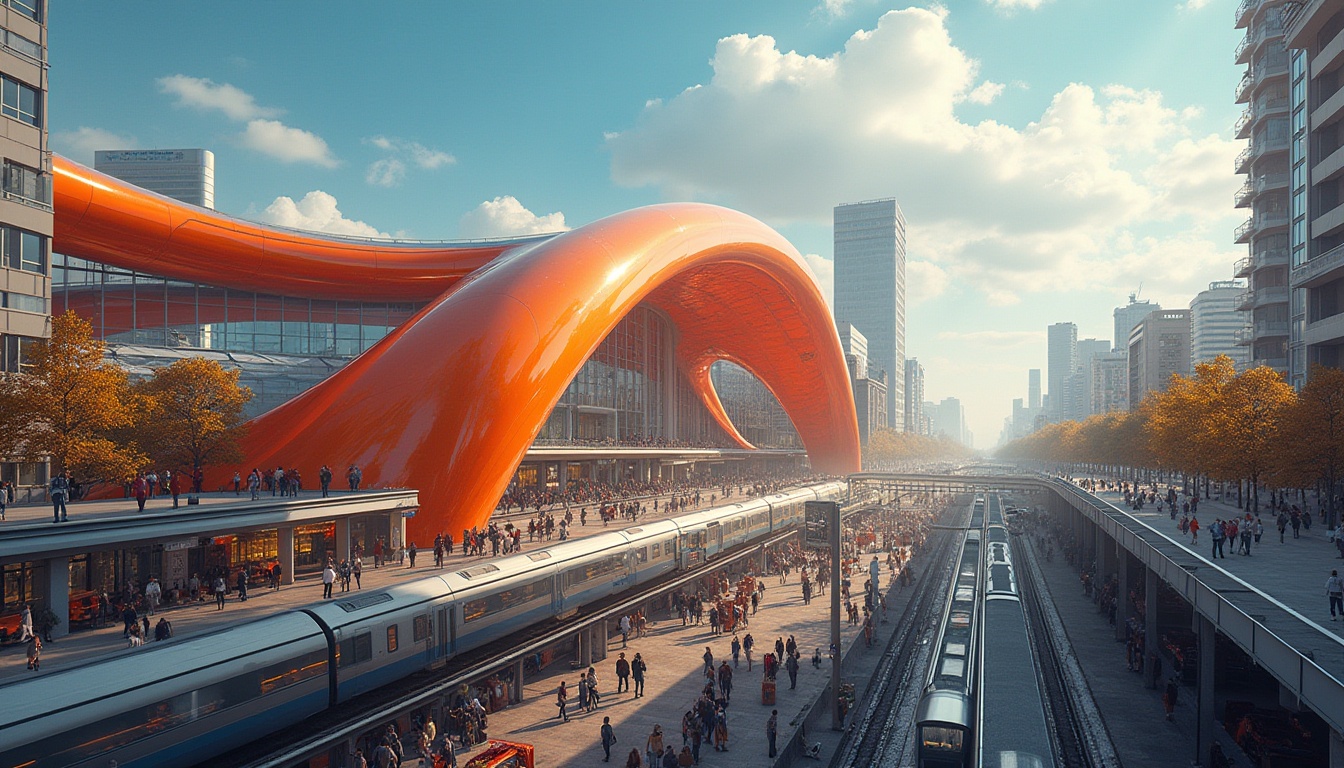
(1242, 128)
(1243, 197)
(1269, 328)
(1243, 164)
(1271, 66)
(1258, 297)
(1243, 267)
(1266, 146)
(1244, 10)
(1243, 337)
(1242, 54)
(1320, 269)
(1243, 233)
(1243, 91)
(1277, 363)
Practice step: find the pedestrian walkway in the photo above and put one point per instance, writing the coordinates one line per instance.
(1292, 572)
(675, 679)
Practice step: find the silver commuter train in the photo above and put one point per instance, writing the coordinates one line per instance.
(185, 701)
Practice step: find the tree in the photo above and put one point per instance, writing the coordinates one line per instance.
(1311, 441)
(1246, 423)
(193, 414)
(1180, 421)
(67, 406)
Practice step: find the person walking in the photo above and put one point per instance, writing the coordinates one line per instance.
(622, 673)
(1217, 534)
(1334, 590)
(324, 477)
(1283, 525)
(608, 738)
(709, 663)
(34, 652)
(220, 589)
(328, 579)
(562, 700)
(637, 670)
(791, 666)
(737, 650)
(772, 730)
(1169, 697)
(653, 746)
(1194, 531)
(625, 630)
(726, 680)
(242, 584)
(748, 643)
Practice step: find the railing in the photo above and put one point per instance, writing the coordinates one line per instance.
(1243, 337)
(1243, 233)
(1243, 267)
(1243, 122)
(1266, 146)
(1245, 7)
(1244, 87)
(1243, 160)
(1326, 262)
(1244, 194)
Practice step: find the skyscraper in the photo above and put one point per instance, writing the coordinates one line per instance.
(1216, 326)
(1128, 316)
(870, 288)
(1061, 362)
(1265, 121)
(25, 208)
(914, 395)
(869, 383)
(182, 174)
(1034, 389)
(1080, 383)
(1159, 346)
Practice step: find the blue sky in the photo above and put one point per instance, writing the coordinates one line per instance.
(1050, 155)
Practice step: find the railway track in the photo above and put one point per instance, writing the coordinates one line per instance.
(1078, 733)
(882, 733)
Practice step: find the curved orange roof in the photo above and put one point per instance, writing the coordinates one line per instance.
(450, 402)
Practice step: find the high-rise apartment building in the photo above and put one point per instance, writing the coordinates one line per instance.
(1061, 362)
(1109, 378)
(1315, 33)
(949, 418)
(1217, 327)
(914, 396)
(182, 174)
(870, 288)
(1265, 121)
(869, 383)
(1128, 316)
(1158, 347)
(1079, 383)
(25, 207)
(1034, 389)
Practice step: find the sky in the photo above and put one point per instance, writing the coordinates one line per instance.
(1050, 156)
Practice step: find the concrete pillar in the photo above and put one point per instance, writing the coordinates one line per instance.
(1122, 590)
(588, 647)
(1105, 566)
(58, 595)
(285, 548)
(564, 476)
(518, 682)
(1206, 706)
(342, 539)
(1150, 640)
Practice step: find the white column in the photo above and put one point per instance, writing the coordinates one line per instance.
(285, 550)
(58, 594)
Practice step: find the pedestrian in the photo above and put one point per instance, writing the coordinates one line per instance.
(324, 477)
(791, 666)
(709, 662)
(276, 573)
(26, 623)
(59, 489)
(726, 680)
(637, 670)
(175, 487)
(1283, 525)
(328, 579)
(608, 738)
(163, 630)
(1169, 697)
(1217, 534)
(153, 594)
(625, 630)
(357, 569)
(242, 584)
(561, 699)
(633, 760)
(748, 643)
(34, 652)
(622, 673)
(1334, 590)
(220, 588)
(653, 746)
(1194, 530)
(772, 730)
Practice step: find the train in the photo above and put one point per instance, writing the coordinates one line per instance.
(185, 701)
(982, 704)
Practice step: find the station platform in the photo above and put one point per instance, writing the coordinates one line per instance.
(193, 618)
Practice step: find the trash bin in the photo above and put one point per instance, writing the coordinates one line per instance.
(768, 692)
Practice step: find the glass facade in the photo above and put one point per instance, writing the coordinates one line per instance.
(1297, 232)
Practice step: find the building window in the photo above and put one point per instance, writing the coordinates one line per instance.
(23, 46)
(23, 302)
(20, 101)
(27, 184)
(14, 353)
(25, 250)
(30, 8)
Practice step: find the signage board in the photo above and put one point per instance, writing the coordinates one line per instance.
(173, 546)
(818, 516)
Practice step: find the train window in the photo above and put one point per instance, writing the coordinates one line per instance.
(278, 676)
(355, 650)
(420, 629)
(642, 555)
(391, 638)
(593, 570)
(940, 738)
(656, 547)
(472, 610)
(668, 545)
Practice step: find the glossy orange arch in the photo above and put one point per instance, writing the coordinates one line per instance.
(450, 402)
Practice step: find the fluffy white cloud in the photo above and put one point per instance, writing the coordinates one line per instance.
(506, 217)
(923, 281)
(823, 269)
(286, 144)
(834, 8)
(81, 143)
(387, 172)
(1013, 5)
(1003, 210)
(201, 93)
(1193, 5)
(316, 212)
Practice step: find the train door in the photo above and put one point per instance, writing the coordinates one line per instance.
(447, 632)
(714, 532)
(692, 549)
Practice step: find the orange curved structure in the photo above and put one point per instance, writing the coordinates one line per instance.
(450, 402)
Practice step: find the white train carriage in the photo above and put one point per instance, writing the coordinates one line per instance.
(175, 703)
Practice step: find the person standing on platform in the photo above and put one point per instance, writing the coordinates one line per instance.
(608, 738)
(377, 550)
(324, 477)
(791, 666)
(237, 484)
(637, 670)
(410, 552)
(276, 573)
(140, 490)
(726, 680)
(175, 487)
(709, 663)
(1169, 697)
(737, 650)
(358, 570)
(653, 747)
(328, 579)
(242, 584)
(772, 730)
(748, 643)
(1334, 590)
(622, 674)
(562, 700)
(153, 594)
(220, 588)
(60, 493)
(625, 630)
(1194, 530)
(34, 652)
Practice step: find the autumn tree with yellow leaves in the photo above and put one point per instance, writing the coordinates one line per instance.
(888, 447)
(69, 405)
(192, 414)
